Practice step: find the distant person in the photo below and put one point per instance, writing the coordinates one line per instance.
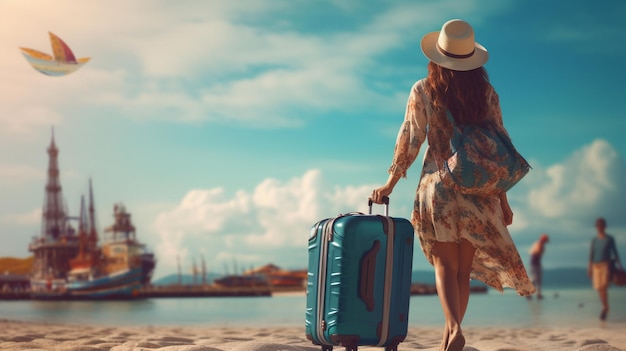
(463, 236)
(536, 271)
(603, 252)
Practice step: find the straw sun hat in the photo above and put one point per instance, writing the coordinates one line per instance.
(454, 47)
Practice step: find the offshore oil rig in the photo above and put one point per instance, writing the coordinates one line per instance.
(76, 263)
(58, 242)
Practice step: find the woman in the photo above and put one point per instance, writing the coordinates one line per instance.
(536, 254)
(462, 236)
(601, 257)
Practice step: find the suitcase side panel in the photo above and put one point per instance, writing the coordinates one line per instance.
(348, 314)
(402, 274)
(312, 324)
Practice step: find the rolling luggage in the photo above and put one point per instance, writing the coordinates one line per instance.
(359, 281)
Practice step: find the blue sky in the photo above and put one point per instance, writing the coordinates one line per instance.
(228, 128)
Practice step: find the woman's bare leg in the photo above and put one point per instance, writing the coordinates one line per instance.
(444, 342)
(446, 263)
(452, 262)
(604, 299)
(466, 258)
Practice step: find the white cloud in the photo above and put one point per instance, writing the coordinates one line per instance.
(22, 219)
(201, 218)
(271, 222)
(281, 208)
(588, 183)
(565, 198)
(198, 62)
(12, 174)
(268, 224)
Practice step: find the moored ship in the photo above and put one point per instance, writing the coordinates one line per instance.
(279, 278)
(75, 265)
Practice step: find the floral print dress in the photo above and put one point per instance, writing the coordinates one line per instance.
(442, 214)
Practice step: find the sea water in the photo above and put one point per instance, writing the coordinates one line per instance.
(575, 307)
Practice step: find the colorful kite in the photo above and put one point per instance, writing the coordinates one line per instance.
(64, 62)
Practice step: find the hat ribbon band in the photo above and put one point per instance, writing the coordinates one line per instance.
(456, 56)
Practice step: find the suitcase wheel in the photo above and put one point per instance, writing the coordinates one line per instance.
(393, 347)
(327, 348)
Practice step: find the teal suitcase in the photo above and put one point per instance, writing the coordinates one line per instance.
(359, 281)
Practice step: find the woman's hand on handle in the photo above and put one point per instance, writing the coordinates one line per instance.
(385, 190)
(378, 194)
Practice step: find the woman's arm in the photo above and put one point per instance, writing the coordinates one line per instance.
(507, 213)
(411, 136)
(590, 258)
(615, 254)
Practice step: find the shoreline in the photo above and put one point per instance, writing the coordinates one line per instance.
(176, 291)
(576, 308)
(67, 337)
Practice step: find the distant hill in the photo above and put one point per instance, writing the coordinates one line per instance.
(553, 277)
(428, 277)
(425, 277)
(570, 277)
(185, 279)
(15, 265)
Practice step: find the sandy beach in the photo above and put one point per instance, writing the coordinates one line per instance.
(15, 335)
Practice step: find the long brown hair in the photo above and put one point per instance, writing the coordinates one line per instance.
(464, 93)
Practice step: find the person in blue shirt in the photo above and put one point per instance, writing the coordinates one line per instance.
(602, 255)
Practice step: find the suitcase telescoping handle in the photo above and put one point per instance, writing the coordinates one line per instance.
(385, 201)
